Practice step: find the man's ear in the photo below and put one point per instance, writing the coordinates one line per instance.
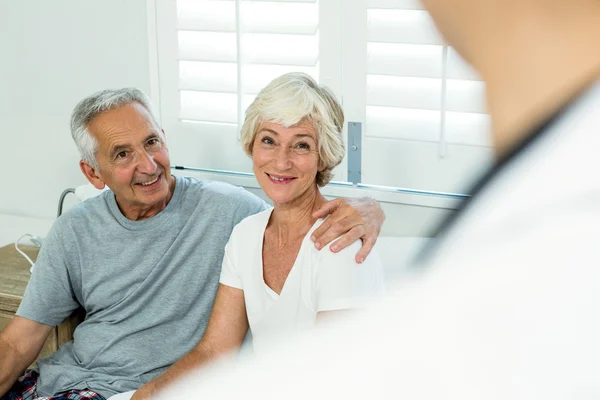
(92, 175)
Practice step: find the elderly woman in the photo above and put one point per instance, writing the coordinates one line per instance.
(273, 280)
(281, 284)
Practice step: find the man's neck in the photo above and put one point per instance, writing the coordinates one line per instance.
(540, 63)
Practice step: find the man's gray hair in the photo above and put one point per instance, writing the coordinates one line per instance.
(94, 105)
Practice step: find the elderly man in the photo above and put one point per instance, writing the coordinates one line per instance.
(143, 260)
(505, 304)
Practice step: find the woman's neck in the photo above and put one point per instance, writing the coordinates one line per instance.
(294, 219)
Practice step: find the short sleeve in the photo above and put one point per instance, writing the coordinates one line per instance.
(247, 204)
(49, 297)
(344, 284)
(229, 273)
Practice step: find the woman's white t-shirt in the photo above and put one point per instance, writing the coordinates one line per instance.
(318, 281)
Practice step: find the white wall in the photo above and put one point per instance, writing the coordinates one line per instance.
(53, 54)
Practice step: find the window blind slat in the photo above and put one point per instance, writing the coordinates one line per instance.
(280, 49)
(401, 123)
(402, 26)
(423, 61)
(222, 77)
(396, 4)
(207, 46)
(257, 17)
(425, 93)
(419, 61)
(257, 76)
(206, 15)
(302, 50)
(210, 107)
(291, 18)
(208, 76)
(397, 91)
(276, 1)
(470, 129)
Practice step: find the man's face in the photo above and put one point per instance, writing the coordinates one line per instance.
(133, 159)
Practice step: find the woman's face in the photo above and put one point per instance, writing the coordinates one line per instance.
(286, 160)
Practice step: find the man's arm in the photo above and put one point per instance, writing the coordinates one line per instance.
(20, 344)
(225, 332)
(354, 219)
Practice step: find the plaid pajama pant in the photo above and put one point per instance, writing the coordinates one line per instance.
(25, 389)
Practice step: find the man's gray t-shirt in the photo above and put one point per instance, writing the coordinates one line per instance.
(147, 286)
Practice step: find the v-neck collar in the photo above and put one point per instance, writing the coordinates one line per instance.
(272, 293)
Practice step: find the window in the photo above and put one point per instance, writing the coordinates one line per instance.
(421, 108)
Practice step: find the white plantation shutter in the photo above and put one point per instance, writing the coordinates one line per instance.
(421, 107)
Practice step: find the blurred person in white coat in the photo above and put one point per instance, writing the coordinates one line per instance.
(504, 304)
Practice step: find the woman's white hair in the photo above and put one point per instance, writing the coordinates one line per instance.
(90, 107)
(291, 99)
